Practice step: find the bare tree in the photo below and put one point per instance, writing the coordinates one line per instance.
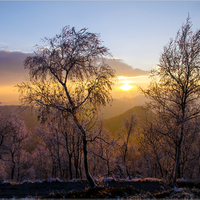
(13, 137)
(66, 74)
(175, 89)
(127, 133)
(50, 139)
(102, 149)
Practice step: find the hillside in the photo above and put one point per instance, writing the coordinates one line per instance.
(116, 123)
(27, 115)
(119, 106)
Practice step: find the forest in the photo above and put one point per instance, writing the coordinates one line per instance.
(70, 83)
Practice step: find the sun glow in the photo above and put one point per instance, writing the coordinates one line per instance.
(126, 87)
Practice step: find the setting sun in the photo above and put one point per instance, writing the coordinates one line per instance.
(126, 87)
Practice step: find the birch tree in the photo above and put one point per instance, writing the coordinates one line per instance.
(13, 137)
(67, 73)
(175, 89)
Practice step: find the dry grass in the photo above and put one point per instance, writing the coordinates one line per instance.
(134, 189)
(130, 192)
(99, 192)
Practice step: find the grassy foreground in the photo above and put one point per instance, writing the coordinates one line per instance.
(129, 192)
(107, 188)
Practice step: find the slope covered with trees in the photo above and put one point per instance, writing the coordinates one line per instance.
(116, 123)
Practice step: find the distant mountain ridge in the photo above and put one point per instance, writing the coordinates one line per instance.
(116, 123)
(10, 103)
(121, 105)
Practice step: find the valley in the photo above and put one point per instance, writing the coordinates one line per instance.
(113, 114)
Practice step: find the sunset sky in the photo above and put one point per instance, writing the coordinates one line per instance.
(134, 31)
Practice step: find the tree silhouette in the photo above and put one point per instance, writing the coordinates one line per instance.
(175, 89)
(66, 74)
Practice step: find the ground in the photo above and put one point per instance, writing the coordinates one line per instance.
(106, 189)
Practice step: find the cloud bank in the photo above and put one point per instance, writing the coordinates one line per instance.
(11, 67)
(122, 69)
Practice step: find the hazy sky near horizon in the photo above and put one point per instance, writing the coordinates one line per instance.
(134, 31)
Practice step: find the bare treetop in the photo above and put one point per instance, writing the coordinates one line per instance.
(74, 61)
(181, 57)
(76, 53)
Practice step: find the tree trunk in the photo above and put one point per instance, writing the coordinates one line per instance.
(70, 166)
(80, 166)
(76, 165)
(178, 153)
(127, 172)
(13, 166)
(18, 173)
(159, 166)
(176, 165)
(108, 167)
(76, 157)
(87, 173)
(12, 171)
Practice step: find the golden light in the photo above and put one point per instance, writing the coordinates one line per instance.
(8, 94)
(126, 87)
